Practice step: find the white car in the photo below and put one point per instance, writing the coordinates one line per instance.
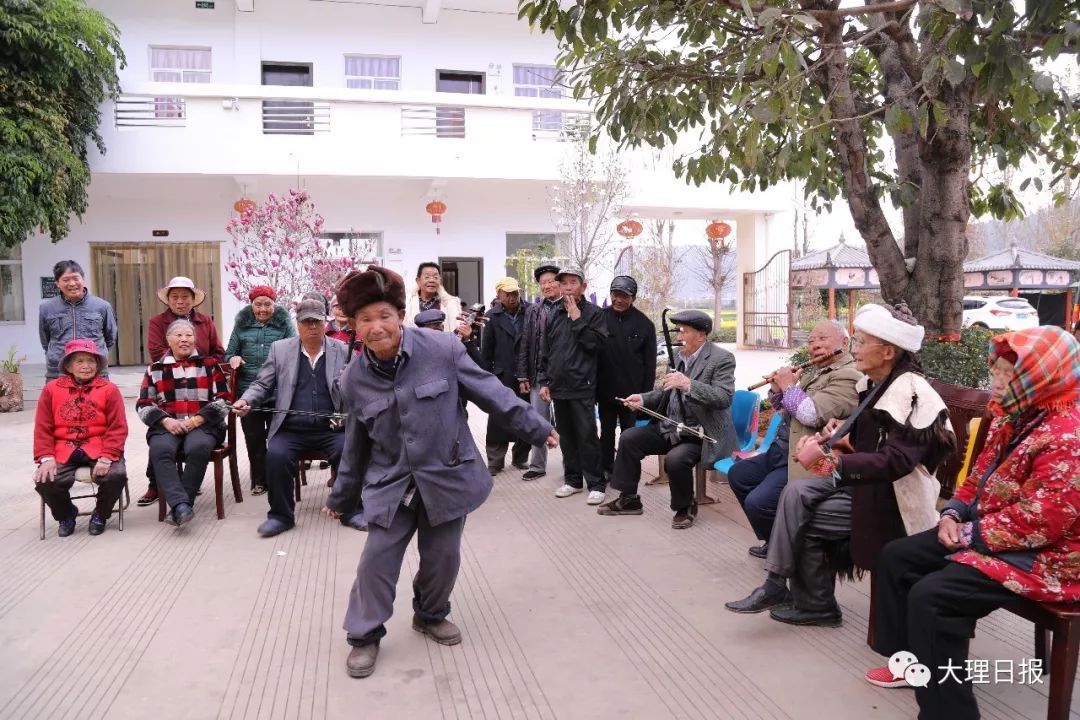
(999, 312)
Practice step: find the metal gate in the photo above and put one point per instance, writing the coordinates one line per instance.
(767, 304)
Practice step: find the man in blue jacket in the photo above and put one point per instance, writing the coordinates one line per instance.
(74, 314)
(410, 454)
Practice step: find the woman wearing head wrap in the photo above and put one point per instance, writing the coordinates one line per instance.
(875, 486)
(256, 327)
(80, 422)
(1011, 530)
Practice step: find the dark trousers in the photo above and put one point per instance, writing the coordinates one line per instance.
(256, 427)
(281, 465)
(929, 605)
(757, 483)
(679, 463)
(496, 453)
(57, 494)
(197, 446)
(576, 423)
(612, 412)
(371, 602)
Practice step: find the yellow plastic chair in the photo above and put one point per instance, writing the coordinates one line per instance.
(969, 452)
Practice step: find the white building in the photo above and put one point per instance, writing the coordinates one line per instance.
(375, 109)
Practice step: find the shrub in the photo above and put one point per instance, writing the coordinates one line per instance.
(963, 363)
(722, 335)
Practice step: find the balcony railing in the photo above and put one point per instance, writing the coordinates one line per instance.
(133, 111)
(442, 121)
(284, 117)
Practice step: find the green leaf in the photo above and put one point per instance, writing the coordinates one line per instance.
(768, 17)
(955, 73)
(897, 120)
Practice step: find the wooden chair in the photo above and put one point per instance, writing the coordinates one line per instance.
(1057, 644)
(83, 476)
(223, 452)
(301, 475)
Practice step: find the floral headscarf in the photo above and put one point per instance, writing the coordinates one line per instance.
(1047, 362)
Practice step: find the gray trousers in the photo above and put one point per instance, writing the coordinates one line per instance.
(811, 512)
(538, 456)
(371, 602)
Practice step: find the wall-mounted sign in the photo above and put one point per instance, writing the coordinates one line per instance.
(160, 233)
(48, 288)
(204, 4)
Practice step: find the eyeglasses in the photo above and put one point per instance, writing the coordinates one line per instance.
(858, 342)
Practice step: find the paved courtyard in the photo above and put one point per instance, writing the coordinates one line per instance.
(565, 614)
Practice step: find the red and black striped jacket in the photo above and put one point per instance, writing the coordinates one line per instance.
(182, 388)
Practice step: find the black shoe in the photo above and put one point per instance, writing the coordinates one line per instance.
(355, 521)
(67, 526)
(272, 526)
(495, 470)
(759, 601)
(521, 465)
(323, 464)
(533, 474)
(759, 551)
(621, 506)
(182, 514)
(684, 518)
(794, 616)
(97, 524)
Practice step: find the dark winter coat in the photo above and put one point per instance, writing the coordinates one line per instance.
(499, 349)
(571, 349)
(628, 357)
(251, 340)
(530, 346)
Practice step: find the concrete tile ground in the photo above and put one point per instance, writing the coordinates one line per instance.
(566, 615)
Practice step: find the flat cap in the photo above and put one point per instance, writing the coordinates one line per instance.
(624, 284)
(311, 309)
(507, 284)
(434, 316)
(546, 267)
(694, 319)
(571, 270)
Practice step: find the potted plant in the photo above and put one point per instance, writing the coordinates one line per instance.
(11, 382)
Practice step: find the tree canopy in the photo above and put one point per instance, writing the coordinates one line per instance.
(58, 64)
(920, 103)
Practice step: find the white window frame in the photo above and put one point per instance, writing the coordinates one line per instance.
(17, 262)
(165, 107)
(543, 120)
(372, 80)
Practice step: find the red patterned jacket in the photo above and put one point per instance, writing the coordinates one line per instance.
(70, 415)
(1027, 533)
(180, 389)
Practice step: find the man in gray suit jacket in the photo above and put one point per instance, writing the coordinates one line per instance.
(300, 374)
(697, 393)
(409, 449)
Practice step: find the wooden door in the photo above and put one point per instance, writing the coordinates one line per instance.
(128, 276)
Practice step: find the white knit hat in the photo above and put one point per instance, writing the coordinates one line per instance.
(876, 320)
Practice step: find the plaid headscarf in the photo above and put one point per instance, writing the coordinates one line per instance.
(1047, 362)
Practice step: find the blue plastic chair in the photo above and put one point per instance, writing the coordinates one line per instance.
(724, 464)
(744, 415)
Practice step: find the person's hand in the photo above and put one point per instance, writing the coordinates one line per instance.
(332, 514)
(101, 468)
(948, 533)
(545, 394)
(553, 439)
(45, 472)
(241, 407)
(235, 361)
(633, 402)
(524, 387)
(786, 377)
(572, 309)
(830, 427)
(843, 445)
(676, 381)
(464, 329)
(188, 425)
(173, 425)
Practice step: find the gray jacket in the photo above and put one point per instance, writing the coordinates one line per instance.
(712, 386)
(60, 321)
(413, 429)
(277, 376)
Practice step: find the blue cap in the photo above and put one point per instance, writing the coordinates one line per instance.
(430, 317)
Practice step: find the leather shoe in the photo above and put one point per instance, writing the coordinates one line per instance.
(97, 524)
(533, 474)
(759, 551)
(182, 514)
(361, 660)
(273, 526)
(759, 600)
(443, 632)
(521, 465)
(355, 521)
(794, 616)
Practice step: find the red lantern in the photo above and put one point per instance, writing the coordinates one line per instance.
(629, 228)
(243, 205)
(717, 230)
(435, 209)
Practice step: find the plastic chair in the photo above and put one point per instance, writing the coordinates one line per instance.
(723, 465)
(969, 452)
(744, 415)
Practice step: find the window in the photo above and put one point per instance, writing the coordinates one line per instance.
(540, 81)
(177, 64)
(362, 247)
(372, 72)
(11, 285)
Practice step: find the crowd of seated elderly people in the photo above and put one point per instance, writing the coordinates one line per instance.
(847, 486)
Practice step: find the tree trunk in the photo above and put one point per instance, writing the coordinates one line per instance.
(716, 308)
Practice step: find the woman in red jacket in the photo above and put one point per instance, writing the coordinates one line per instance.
(1012, 530)
(80, 422)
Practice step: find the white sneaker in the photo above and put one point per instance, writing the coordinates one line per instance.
(595, 497)
(567, 491)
